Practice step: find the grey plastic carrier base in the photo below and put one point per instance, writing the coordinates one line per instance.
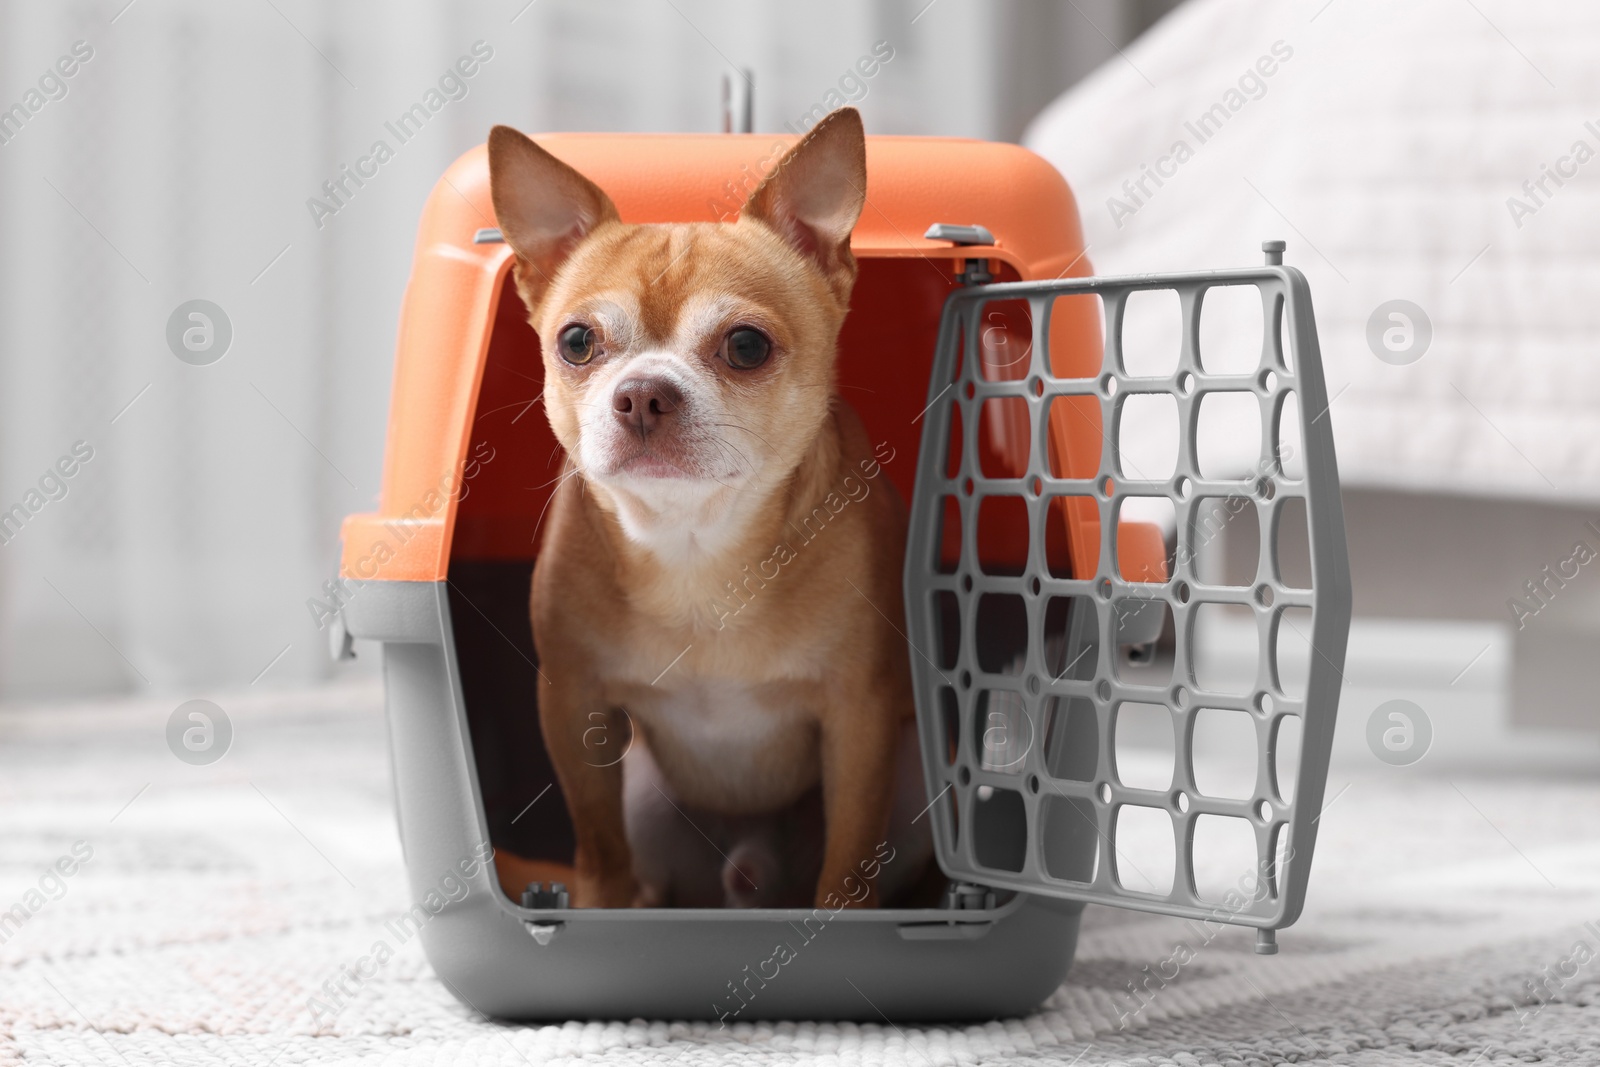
(662, 963)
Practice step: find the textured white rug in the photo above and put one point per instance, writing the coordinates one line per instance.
(1445, 926)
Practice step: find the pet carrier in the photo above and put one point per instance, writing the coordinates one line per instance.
(1048, 608)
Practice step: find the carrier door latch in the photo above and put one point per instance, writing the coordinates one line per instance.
(973, 271)
(541, 897)
(341, 642)
(542, 932)
(959, 235)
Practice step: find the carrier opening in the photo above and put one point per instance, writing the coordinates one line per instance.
(513, 463)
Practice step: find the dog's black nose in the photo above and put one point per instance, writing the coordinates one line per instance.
(642, 403)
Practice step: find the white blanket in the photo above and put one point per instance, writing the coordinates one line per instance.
(1389, 145)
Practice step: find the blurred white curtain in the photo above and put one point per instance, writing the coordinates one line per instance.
(178, 165)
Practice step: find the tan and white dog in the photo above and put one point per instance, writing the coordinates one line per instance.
(690, 376)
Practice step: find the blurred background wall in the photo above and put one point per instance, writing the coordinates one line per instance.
(1433, 160)
(185, 155)
(176, 163)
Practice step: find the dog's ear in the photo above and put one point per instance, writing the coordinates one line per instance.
(543, 206)
(814, 197)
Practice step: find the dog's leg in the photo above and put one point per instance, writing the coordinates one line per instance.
(858, 757)
(593, 790)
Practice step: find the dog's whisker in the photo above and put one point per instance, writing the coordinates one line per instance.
(735, 425)
(733, 457)
(519, 374)
(576, 469)
(514, 404)
(541, 485)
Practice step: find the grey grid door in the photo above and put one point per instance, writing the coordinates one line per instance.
(1034, 681)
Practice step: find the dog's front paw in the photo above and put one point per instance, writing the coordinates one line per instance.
(834, 900)
(849, 891)
(597, 891)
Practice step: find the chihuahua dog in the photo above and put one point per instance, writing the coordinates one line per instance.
(689, 373)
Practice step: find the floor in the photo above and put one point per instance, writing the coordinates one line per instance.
(208, 904)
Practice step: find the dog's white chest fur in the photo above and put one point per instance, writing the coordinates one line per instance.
(728, 744)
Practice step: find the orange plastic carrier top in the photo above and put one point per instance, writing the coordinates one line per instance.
(466, 475)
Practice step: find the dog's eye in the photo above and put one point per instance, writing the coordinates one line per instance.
(577, 344)
(746, 349)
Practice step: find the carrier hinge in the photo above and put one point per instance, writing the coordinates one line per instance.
(964, 896)
(974, 272)
(958, 896)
